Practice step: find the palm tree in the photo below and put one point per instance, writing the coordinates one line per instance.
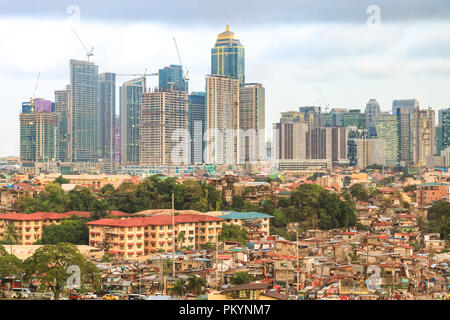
(195, 284)
(181, 239)
(179, 288)
(11, 236)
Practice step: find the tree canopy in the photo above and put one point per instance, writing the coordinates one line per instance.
(439, 218)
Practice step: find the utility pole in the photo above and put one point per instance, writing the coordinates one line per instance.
(173, 235)
(217, 265)
(296, 253)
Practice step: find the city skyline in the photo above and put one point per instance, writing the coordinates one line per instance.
(289, 75)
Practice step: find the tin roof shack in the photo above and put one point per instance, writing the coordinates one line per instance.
(249, 291)
(393, 275)
(314, 233)
(404, 250)
(285, 247)
(374, 257)
(433, 242)
(284, 271)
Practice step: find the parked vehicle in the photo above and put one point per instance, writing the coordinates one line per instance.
(109, 296)
(136, 297)
(321, 294)
(20, 293)
(48, 296)
(312, 294)
(90, 295)
(75, 296)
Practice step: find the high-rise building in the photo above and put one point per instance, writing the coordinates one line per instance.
(84, 85)
(106, 117)
(372, 109)
(423, 135)
(292, 116)
(164, 128)
(387, 130)
(197, 125)
(319, 143)
(354, 118)
(444, 123)
(290, 140)
(311, 114)
(404, 135)
(369, 152)
(222, 121)
(171, 78)
(39, 137)
(410, 104)
(63, 101)
(117, 141)
(252, 121)
(130, 113)
(339, 145)
(228, 56)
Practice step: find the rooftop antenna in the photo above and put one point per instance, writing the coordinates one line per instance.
(89, 53)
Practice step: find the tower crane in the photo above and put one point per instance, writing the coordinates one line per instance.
(35, 90)
(89, 53)
(185, 75)
(322, 99)
(144, 75)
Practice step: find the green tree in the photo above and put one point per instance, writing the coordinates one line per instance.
(10, 266)
(439, 218)
(241, 278)
(82, 199)
(234, 232)
(237, 203)
(179, 288)
(10, 236)
(195, 284)
(50, 264)
(61, 180)
(359, 192)
(71, 231)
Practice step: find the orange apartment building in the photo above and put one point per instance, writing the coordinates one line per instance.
(138, 237)
(429, 192)
(29, 227)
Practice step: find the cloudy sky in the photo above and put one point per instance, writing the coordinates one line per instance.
(352, 50)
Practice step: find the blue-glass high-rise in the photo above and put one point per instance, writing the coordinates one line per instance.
(197, 125)
(171, 78)
(228, 56)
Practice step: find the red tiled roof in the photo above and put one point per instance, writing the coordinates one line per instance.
(116, 213)
(163, 220)
(83, 214)
(33, 216)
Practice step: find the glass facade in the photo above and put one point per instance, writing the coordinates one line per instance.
(107, 120)
(84, 84)
(228, 57)
(171, 78)
(386, 126)
(444, 123)
(197, 125)
(130, 108)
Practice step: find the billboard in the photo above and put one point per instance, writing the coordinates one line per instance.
(41, 105)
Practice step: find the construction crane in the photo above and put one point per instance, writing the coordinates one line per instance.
(185, 76)
(322, 101)
(89, 53)
(144, 75)
(33, 96)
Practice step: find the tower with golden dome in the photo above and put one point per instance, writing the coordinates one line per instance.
(228, 56)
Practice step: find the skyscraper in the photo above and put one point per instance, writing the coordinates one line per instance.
(387, 129)
(130, 109)
(39, 137)
(228, 56)
(164, 128)
(369, 152)
(63, 101)
(172, 78)
(291, 140)
(252, 121)
(197, 125)
(84, 85)
(222, 120)
(422, 135)
(107, 120)
(409, 104)
(404, 135)
(444, 123)
(372, 109)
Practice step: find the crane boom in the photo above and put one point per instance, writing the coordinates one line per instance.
(185, 75)
(89, 53)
